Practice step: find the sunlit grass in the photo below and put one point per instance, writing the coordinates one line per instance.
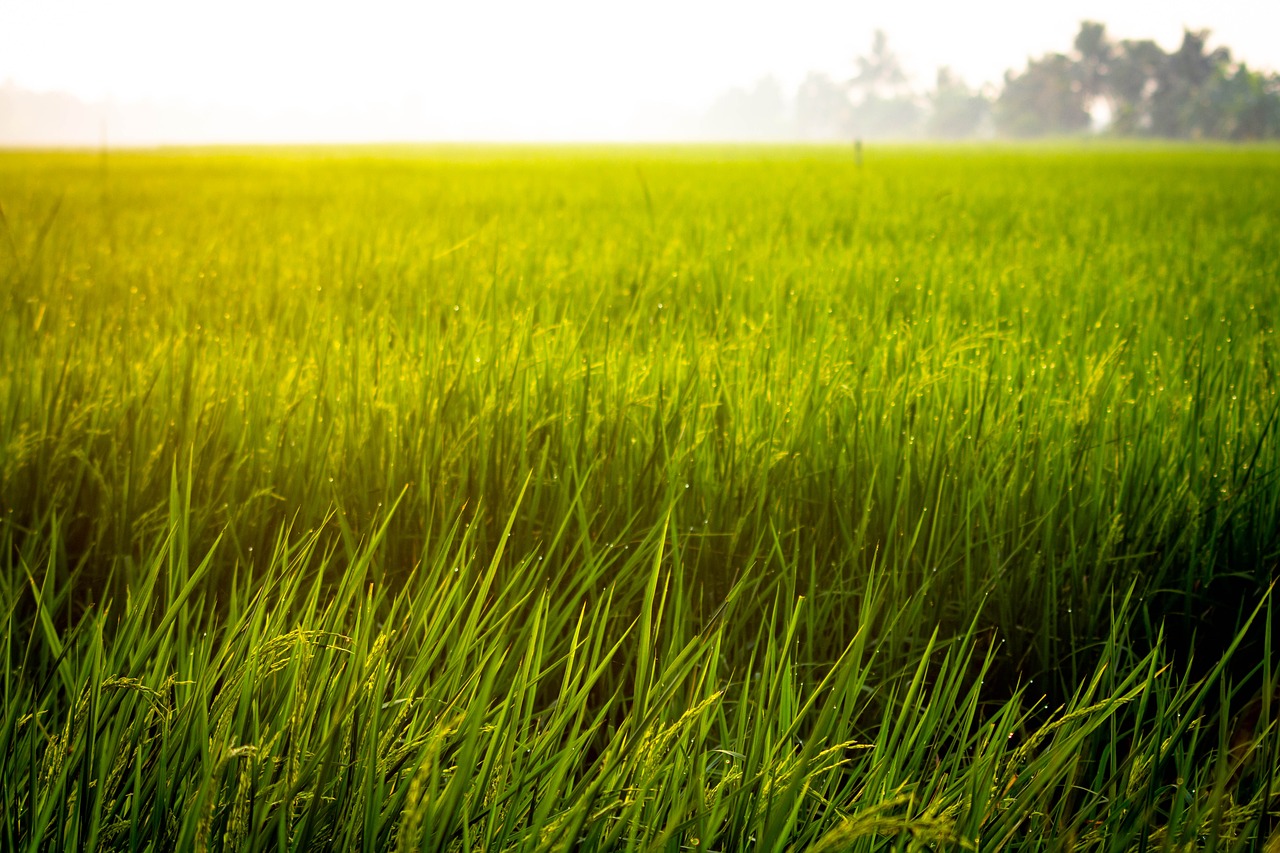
(705, 499)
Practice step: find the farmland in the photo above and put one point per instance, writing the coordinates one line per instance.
(631, 498)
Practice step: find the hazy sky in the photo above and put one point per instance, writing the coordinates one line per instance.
(546, 68)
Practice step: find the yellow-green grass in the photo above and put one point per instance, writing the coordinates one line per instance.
(699, 498)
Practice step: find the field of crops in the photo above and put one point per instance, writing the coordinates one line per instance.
(691, 499)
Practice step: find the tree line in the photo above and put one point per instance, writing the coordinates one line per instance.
(1190, 93)
(1123, 88)
(1128, 88)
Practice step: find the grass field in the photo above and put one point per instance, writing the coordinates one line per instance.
(689, 499)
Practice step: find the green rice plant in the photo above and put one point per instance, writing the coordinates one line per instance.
(460, 713)
(630, 498)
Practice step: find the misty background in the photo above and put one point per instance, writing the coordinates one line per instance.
(1192, 85)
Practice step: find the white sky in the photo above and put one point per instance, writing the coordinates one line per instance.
(546, 68)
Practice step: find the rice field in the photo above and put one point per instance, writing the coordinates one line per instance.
(637, 498)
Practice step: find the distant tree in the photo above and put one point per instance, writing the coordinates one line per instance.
(880, 72)
(1194, 92)
(1182, 104)
(1047, 98)
(1197, 91)
(887, 118)
(822, 108)
(1191, 93)
(757, 113)
(955, 110)
(1243, 104)
(1094, 54)
(882, 102)
(1133, 74)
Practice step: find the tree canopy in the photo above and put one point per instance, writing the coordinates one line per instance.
(1194, 92)
(1118, 88)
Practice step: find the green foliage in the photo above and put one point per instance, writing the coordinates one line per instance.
(1191, 93)
(706, 499)
(1046, 99)
(956, 111)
